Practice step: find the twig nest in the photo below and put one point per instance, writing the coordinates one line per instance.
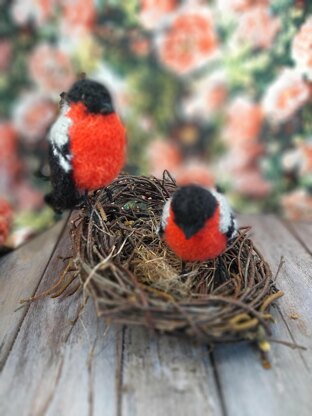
(134, 278)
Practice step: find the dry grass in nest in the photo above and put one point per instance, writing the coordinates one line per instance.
(136, 279)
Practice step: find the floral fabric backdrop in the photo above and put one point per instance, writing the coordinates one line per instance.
(217, 92)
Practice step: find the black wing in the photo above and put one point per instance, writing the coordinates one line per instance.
(64, 193)
(232, 228)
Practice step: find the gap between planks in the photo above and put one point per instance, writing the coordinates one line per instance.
(170, 347)
(134, 398)
(27, 306)
(56, 368)
(120, 349)
(166, 375)
(248, 388)
(295, 228)
(218, 382)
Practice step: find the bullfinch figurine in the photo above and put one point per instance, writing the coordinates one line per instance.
(87, 144)
(197, 223)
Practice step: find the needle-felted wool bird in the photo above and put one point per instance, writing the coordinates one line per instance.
(87, 144)
(197, 223)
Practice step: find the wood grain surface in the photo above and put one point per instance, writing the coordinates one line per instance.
(56, 361)
(20, 274)
(248, 388)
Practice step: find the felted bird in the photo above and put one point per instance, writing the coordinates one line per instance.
(197, 223)
(87, 144)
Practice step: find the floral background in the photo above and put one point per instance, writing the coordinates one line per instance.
(218, 92)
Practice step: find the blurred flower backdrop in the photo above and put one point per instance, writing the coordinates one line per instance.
(218, 92)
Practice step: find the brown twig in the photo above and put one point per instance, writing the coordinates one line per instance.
(134, 278)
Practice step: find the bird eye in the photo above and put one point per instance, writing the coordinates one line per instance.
(63, 98)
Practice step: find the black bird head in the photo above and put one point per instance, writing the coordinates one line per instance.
(92, 94)
(192, 206)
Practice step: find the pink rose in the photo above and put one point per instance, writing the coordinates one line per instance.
(239, 5)
(27, 198)
(207, 97)
(10, 165)
(189, 42)
(51, 69)
(195, 172)
(249, 182)
(162, 155)
(297, 205)
(153, 11)
(244, 122)
(285, 96)
(33, 115)
(5, 54)
(78, 16)
(257, 27)
(40, 11)
(302, 48)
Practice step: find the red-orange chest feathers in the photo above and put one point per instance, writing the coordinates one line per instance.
(207, 243)
(98, 147)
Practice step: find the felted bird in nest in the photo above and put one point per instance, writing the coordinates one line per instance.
(197, 223)
(87, 144)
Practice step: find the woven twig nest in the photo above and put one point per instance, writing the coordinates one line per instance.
(135, 279)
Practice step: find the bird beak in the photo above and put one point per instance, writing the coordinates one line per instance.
(107, 108)
(63, 96)
(188, 232)
(82, 75)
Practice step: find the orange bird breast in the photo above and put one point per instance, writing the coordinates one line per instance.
(207, 243)
(98, 147)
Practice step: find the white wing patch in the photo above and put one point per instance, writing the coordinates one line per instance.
(235, 232)
(64, 160)
(164, 217)
(226, 213)
(165, 213)
(59, 137)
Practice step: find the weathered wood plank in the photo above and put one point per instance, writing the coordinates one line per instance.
(163, 375)
(302, 231)
(286, 388)
(20, 274)
(55, 367)
(275, 241)
(86, 384)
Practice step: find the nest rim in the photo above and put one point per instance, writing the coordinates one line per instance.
(234, 310)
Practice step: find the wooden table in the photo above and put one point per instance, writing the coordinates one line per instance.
(52, 366)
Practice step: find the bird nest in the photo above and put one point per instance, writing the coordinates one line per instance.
(135, 279)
